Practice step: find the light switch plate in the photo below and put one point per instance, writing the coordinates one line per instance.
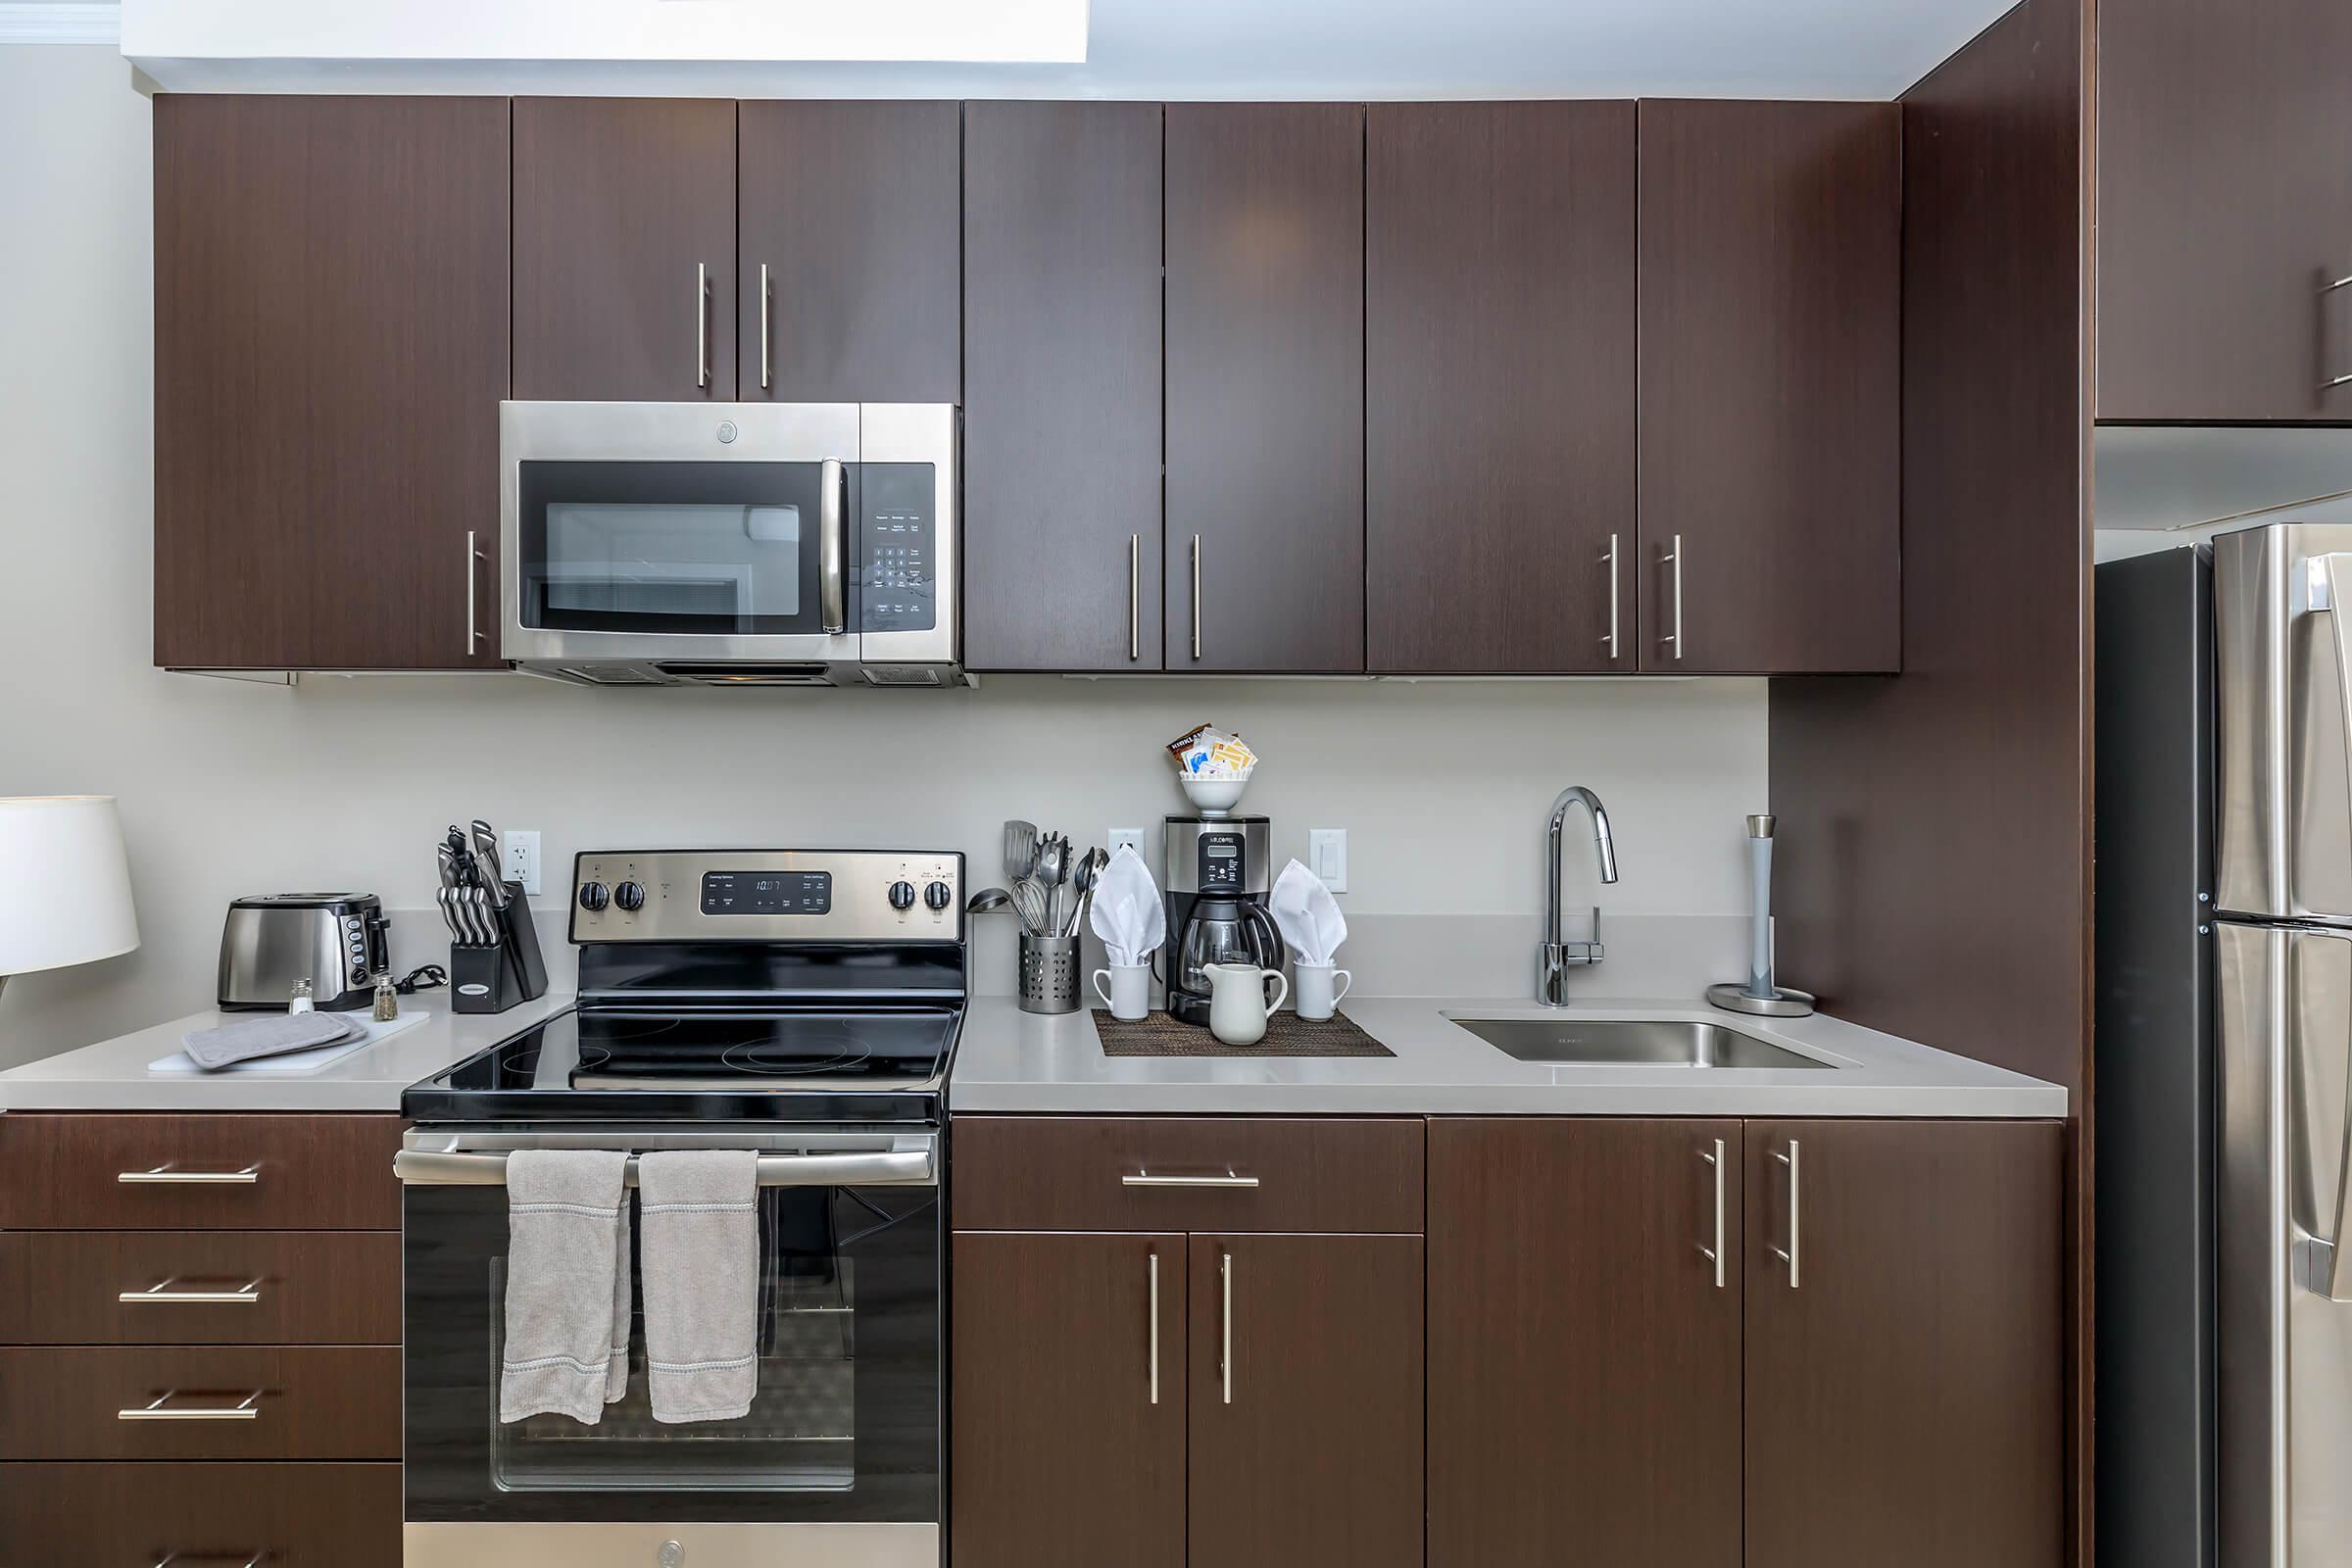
(1327, 856)
(1125, 835)
(522, 850)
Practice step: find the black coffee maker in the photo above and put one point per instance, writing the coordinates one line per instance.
(1218, 884)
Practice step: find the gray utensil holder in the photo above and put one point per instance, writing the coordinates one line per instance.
(1049, 973)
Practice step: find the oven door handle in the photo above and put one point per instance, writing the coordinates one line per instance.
(426, 1167)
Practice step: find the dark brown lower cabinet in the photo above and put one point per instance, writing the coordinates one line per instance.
(1306, 1417)
(1067, 1425)
(212, 1515)
(1584, 1352)
(1905, 1386)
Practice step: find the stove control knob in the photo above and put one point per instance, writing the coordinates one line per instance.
(629, 895)
(592, 897)
(939, 894)
(902, 895)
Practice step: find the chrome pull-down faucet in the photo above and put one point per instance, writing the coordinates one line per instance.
(1560, 954)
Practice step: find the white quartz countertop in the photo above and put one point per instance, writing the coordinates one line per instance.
(1011, 1062)
(114, 1075)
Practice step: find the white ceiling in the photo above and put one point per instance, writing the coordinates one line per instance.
(1176, 49)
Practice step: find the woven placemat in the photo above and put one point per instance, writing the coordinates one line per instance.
(1286, 1035)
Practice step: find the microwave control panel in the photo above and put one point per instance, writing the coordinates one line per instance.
(900, 533)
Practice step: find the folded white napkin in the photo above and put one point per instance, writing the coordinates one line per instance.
(1307, 915)
(1127, 913)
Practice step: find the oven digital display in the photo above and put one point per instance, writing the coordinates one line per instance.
(768, 892)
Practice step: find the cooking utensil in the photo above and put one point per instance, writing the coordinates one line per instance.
(1020, 849)
(1030, 900)
(1053, 868)
(989, 900)
(485, 863)
(1090, 872)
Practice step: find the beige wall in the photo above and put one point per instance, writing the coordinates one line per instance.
(229, 789)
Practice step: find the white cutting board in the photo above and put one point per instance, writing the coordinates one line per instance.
(296, 1060)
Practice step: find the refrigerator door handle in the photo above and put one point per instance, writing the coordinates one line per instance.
(2334, 1275)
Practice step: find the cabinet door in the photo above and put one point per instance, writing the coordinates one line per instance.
(2225, 207)
(1584, 1352)
(624, 249)
(848, 218)
(1771, 439)
(1061, 370)
(1265, 348)
(1306, 1404)
(1500, 360)
(1067, 1408)
(1905, 1391)
(330, 348)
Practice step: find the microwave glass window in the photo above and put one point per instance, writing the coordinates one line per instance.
(682, 547)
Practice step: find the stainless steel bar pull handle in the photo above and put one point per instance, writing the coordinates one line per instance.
(1134, 575)
(1143, 1178)
(2329, 383)
(244, 1294)
(1610, 560)
(166, 1176)
(1714, 1254)
(250, 1559)
(160, 1409)
(1673, 557)
(1152, 1280)
(764, 297)
(1195, 597)
(702, 323)
(1225, 1352)
(897, 1167)
(2336, 1283)
(1794, 1160)
(474, 574)
(832, 504)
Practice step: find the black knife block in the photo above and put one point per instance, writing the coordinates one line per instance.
(493, 976)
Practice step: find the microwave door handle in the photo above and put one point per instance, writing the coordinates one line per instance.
(832, 546)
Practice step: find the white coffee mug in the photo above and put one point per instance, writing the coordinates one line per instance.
(1236, 1002)
(1129, 995)
(1316, 996)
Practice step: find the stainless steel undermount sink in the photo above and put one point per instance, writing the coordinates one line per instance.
(1646, 1043)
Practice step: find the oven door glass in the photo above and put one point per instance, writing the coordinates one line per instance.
(732, 549)
(845, 1427)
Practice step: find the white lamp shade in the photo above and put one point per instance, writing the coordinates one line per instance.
(65, 886)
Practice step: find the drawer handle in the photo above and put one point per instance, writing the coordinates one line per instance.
(245, 1410)
(249, 1292)
(165, 1176)
(1143, 1178)
(253, 1559)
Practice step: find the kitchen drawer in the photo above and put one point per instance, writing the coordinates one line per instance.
(306, 1287)
(214, 1515)
(316, 1403)
(1099, 1173)
(67, 1172)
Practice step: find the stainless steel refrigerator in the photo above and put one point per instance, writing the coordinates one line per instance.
(2224, 841)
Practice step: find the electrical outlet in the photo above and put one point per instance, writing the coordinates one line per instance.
(1126, 835)
(1327, 856)
(520, 847)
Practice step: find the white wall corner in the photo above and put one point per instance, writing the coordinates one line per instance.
(88, 21)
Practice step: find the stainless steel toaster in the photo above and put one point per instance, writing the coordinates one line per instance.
(335, 941)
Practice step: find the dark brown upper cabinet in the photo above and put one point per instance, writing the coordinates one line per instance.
(1584, 1350)
(1770, 399)
(1061, 423)
(2225, 211)
(330, 347)
(1500, 325)
(1069, 1400)
(624, 250)
(1305, 1372)
(1904, 1358)
(848, 285)
(1265, 556)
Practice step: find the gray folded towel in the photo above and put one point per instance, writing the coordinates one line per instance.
(702, 1287)
(270, 1034)
(568, 1284)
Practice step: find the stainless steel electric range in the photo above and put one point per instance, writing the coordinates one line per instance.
(803, 1003)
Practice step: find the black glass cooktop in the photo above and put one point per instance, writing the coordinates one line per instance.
(818, 1063)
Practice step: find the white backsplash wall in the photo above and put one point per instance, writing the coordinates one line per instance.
(229, 788)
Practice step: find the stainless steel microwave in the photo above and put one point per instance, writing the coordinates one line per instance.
(730, 544)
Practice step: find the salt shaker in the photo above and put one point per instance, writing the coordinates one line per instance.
(300, 1002)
